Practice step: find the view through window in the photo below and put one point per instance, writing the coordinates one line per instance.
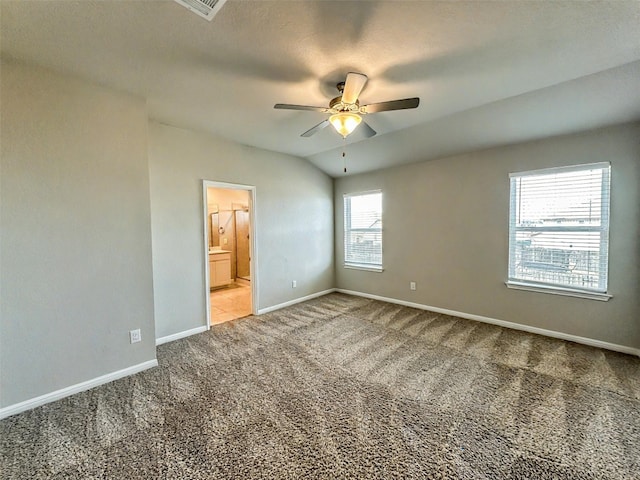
(363, 230)
(559, 227)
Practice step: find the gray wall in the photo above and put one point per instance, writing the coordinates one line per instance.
(446, 228)
(76, 231)
(75, 241)
(294, 211)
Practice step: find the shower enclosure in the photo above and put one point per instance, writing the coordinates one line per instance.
(242, 243)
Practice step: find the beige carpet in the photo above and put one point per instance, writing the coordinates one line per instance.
(349, 388)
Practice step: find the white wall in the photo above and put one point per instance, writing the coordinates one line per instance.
(446, 228)
(294, 212)
(75, 249)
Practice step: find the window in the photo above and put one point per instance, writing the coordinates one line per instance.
(559, 230)
(363, 230)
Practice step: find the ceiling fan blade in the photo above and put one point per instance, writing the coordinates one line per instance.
(366, 129)
(392, 105)
(353, 86)
(285, 106)
(316, 129)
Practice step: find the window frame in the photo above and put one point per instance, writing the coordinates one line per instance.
(349, 264)
(600, 293)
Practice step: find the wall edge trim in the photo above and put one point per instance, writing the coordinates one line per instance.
(296, 300)
(179, 335)
(73, 389)
(502, 323)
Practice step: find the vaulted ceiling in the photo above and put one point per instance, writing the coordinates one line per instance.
(487, 73)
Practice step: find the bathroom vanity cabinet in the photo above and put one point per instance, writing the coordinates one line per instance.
(219, 268)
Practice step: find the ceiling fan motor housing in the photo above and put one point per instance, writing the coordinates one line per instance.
(337, 105)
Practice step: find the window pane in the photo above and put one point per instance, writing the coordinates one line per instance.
(558, 227)
(366, 211)
(570, 259)
(567, 198)
(364, 247)
(363, 229)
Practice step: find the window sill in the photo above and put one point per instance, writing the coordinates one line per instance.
(368, 268)
(603, 297)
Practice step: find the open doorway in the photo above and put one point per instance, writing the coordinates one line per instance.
(229, 240)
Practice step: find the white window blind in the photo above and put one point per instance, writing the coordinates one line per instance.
(363, 230)
(559, 228)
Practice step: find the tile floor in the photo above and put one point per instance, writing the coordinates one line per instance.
(230, 303)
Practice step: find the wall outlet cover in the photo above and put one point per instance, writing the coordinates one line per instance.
(412, 285)
(135, 336)
(294, 284)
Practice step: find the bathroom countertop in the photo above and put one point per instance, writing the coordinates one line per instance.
(215, 252)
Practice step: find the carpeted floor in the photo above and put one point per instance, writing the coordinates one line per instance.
(348, 388)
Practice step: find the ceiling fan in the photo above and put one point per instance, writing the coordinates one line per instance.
(346, 111)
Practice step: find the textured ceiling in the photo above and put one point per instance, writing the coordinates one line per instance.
(487, 73)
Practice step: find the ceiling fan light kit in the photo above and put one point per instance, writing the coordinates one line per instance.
(345, 122)
(346, 112)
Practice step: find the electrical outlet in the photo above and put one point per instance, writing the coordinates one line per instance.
(294, 284)
(225, 241)
(412, 285)
(135, 336)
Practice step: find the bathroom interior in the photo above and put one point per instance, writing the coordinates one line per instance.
(228, 214)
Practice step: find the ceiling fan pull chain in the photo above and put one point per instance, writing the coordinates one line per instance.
(344, 154)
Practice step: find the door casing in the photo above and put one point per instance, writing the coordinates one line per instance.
(253, 244)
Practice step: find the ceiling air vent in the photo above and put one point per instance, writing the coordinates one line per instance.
(205, 8)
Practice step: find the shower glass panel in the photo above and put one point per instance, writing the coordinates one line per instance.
(242, 244)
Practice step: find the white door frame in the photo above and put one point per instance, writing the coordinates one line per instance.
(253, 247)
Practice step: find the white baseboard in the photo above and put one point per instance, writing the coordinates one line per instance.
(297, 300)
(502, 323)
(179, 335)
(194, 331)
(73, 389)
